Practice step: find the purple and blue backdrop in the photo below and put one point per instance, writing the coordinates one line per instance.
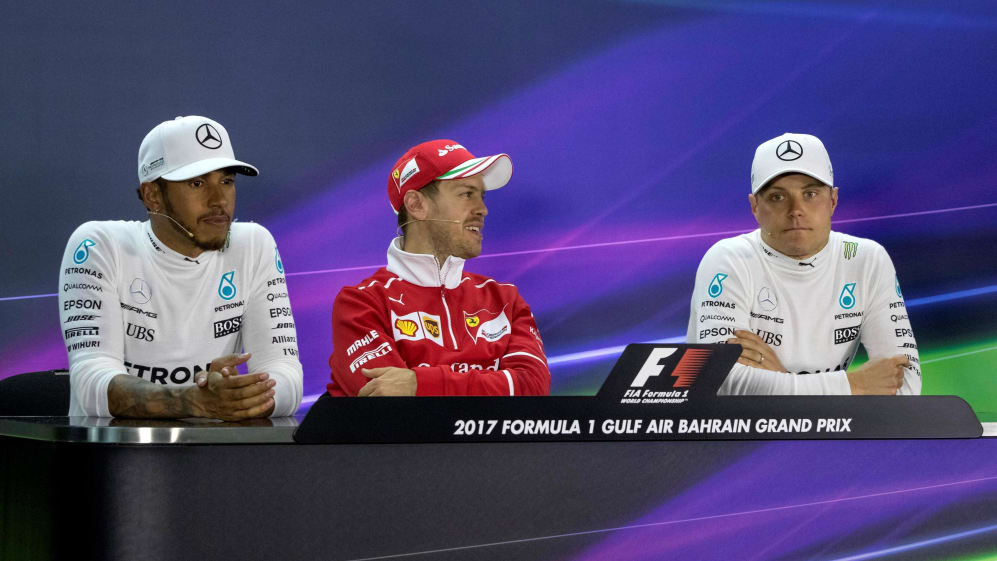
(631, 126)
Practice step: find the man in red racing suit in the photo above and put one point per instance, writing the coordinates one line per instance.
(422, 325)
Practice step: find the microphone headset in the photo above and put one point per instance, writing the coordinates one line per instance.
(179, 225)
(429, 220)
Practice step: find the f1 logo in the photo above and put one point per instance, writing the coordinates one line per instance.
(652, 366)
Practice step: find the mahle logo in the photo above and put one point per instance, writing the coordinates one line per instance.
(716, 285)
(82, 252)
(226, 286)
(850, 249)
(847, 297)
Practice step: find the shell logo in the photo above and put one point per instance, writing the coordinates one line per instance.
(406, 326)
(472, 321)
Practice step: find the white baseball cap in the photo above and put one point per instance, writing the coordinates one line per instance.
(187, 147)
(790, 153)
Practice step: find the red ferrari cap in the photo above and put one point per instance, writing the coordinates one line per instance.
(443, 159)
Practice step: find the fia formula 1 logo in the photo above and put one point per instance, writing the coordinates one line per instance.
(666, 375)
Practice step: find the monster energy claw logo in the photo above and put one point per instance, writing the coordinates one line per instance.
(82, 251)
(847, 298)
(716, 285)
(896, 280)
(277, 261)
(226, 287)
(851, 248)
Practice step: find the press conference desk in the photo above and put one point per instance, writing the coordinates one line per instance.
(208, 490)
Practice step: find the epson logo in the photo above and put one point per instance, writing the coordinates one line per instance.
(227, 326)
(81, 304)
(903, 332)
(715, 332)
(846, 334)
(283, 311)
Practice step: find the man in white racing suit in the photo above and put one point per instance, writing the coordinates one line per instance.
(153, 313)
(798, 297)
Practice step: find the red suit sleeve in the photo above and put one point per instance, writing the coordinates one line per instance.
(361, 339)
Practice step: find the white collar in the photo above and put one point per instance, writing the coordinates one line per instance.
(812, 263)
(422, 269)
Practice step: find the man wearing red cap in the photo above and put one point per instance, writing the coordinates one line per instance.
(422, 325)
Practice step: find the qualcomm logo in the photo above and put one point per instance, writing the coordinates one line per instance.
(226, 287)
(716, 285)
(277, 261)
(847, 298)
(82, 252)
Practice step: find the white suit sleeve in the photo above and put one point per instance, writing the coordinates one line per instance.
(268, 327)
(91, 319)
(886, 329)
(721, 303)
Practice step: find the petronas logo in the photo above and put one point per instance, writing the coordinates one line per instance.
(851, 248)
(226, 286)
(716, 285)
(847, 298)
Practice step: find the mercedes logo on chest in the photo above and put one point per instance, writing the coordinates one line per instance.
(789, 150)
(208, 137)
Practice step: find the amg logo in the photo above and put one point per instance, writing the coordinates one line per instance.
(765, 317)
(81, 331)
(846, 334)
(228, 326)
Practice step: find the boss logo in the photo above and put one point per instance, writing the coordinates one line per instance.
(228, 326)
(846, 334)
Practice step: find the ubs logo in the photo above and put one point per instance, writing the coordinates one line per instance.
(208, 137)
(789, 150)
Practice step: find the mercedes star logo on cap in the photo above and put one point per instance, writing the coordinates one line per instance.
(789, 150)
(208, 137)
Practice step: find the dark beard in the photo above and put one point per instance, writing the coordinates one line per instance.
(211, 245)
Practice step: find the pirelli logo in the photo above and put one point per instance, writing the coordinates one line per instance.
(81, 331)
(380, 350)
